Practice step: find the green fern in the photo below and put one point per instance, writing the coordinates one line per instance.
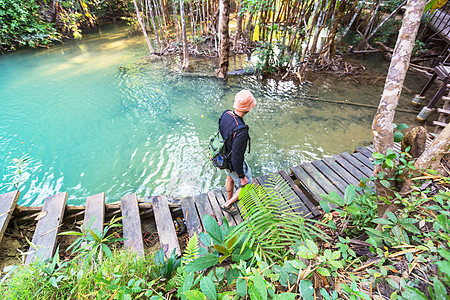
(192, 249)
(190, 253)
(270, 225)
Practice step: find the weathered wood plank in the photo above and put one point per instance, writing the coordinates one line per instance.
(304, 200)
(47, 228)
(357, 164)
(95, 213)
(8, 202)
(323, 181)
(341, 171)
(132, 229)
(203, 207)
(336, 180)
(365, 151)
(217, 194)
(349, 167)
(308, 184)
(164, 225)
(364, 160)
(193, 223)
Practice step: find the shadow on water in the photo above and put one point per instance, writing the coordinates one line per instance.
(97, 117)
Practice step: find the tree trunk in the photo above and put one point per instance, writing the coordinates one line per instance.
(183, 32)
(152, 17)
(238, 32)
(344, 33)
(382, 127)
(385, 20)
(175, 20)
(329, 49)
(432, 157)
(224, 45)
(150, 48)
(55, 7)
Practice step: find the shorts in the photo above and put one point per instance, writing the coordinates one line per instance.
(235, 177)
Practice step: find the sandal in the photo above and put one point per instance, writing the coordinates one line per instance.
(231, 210)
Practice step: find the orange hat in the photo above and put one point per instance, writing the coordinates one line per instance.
(244, 101)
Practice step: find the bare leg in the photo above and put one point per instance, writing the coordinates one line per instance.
(233, 199)
(229, 186)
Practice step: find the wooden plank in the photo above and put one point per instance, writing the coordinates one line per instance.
(95, 213)
(323, 181)
(292, 200)
(341, 171)
(313, 211)
(357, 164)
(366, 152)
(193, 223)
(47, 228)
(132, 229)
(203, 207)
(8, 202)
(308, 184)
(364, 160)
(336, 180)
(349, 167)
(219, 199)
(164, 225)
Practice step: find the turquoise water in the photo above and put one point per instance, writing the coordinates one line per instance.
(96, 117)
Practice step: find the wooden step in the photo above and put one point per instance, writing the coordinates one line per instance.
(440, 124)
(94, 214)
(443, 111)
(132, 229)
(446, 98)
(47, 228)
(193, 223)
(8, 202)
(167, 234)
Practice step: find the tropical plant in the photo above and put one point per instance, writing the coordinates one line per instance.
(91, 245)
(270, 226)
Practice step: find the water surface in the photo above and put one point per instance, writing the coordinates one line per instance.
(96, 117)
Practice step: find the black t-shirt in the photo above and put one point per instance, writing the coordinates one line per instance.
(237, 144)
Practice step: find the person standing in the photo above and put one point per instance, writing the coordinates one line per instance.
(239, 173)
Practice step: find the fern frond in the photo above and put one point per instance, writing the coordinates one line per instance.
(192, 249)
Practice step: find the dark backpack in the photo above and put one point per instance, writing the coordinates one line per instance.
(217, 154)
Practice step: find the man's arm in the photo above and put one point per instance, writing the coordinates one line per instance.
(238, 151)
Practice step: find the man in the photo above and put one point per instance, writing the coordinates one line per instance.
(239, 173)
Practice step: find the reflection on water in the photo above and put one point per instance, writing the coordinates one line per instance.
(97, 117)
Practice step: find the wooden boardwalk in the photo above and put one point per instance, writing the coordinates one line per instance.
(440, 22)
(307, 182)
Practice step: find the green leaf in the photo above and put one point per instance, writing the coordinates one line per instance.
(312, 246)
(324, 272)
(391, 217)
(324, 205)
(411, 228)
(208, 288)
(241, 287)
(213, 229)
(350, 194)
(398, 136)
(413, 293)
(378, 155)
(107, 251)
(195, 295)
(205, 239)
(402, 126)
(382, 221)
(285, 296)
(202, 263)
(232, 274)
(439, 290)
(444, 266)
(385, 183)
(306, 289)
(246, 254)
(333, 197)
(221, 249)
(260, 284)
(353, 209)
(389, 163)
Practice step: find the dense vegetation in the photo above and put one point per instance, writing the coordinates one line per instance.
(274, 254)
